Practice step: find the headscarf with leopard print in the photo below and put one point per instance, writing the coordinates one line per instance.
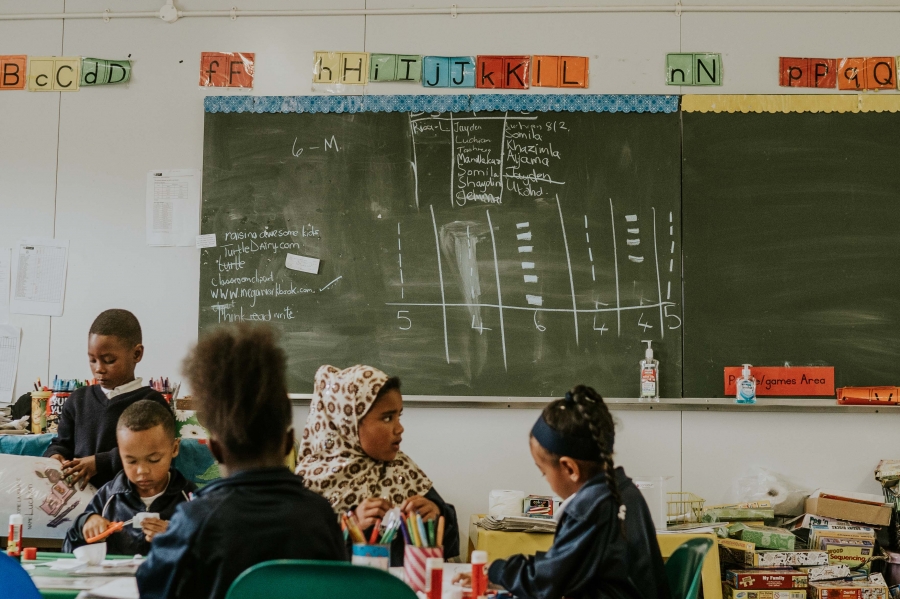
(332, 460)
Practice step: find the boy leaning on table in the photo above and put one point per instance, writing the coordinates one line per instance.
(148, 484)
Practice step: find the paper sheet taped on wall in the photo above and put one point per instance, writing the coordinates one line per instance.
(5, 267)
(173, 207)
(302, 263)
(9, 361)
(39, 276)
(206, 241)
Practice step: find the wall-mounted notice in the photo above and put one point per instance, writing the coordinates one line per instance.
(39, 276)
(5, 264)
(173, 207)
(9, 360)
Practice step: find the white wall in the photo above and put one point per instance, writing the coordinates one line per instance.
(74, 165)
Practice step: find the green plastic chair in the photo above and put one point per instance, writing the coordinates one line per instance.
(301, 579)
(684, 566)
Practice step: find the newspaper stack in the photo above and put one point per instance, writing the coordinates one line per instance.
(518, 524)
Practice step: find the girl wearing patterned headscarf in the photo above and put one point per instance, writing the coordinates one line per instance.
(350, 453)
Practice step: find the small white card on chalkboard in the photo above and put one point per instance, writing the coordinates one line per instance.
(302, 263)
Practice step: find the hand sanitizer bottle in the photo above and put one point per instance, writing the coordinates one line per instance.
(649, 376)
(746, 387)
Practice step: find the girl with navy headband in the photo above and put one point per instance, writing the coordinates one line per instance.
(605, 544)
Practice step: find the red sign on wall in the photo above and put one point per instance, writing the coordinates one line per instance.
(793, 381)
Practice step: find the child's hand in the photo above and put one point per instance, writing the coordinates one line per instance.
(152, 527)
(94, 526)
(59, 458)
(83, 469)
(463, 579)
(419, 505)
(370, 510)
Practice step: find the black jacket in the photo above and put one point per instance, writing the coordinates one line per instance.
(234, 523)
(451, 531)
(87, 427)
(118, 501)
(590, 558)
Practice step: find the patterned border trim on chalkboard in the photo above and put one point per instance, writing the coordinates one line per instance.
(785, 103)
(444, 103)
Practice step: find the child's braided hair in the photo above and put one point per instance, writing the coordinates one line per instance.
(583, 413)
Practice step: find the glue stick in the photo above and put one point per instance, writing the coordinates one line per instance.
(14, 544)
(479, 575)
(434, 571)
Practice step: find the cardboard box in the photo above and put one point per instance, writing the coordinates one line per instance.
(830, 572)
(756, 580)
(810, 520)
(782, 559)
(732, 551)
(848, 590)
(742, 553)
(731, 593)
(851, 552)
(877, 514)
(732, 514)
(767, 537)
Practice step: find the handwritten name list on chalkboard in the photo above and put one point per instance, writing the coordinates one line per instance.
(479, 254)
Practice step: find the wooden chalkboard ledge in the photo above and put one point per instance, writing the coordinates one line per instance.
(665, 405)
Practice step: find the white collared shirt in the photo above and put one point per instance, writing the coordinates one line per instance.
(562, 506)
(132, 386)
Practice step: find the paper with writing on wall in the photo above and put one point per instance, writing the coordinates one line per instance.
(5, 267)
(302, 263)
(206, 241)
(173, 207)
(39, 276)
(10, 337)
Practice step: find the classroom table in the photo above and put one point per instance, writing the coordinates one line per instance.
(500, 544)
(39, 573)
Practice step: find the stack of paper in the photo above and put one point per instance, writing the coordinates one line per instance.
(517, 524)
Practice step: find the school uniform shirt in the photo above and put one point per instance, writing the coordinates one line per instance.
(87, 427)
(119, 501)
(590, 557)
(236, 522)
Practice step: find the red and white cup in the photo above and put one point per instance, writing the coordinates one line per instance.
(414, 565)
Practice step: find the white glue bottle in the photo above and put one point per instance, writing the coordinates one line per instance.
(649, 376)
(14, 540)
(746, 387)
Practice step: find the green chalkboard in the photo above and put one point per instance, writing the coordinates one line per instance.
(476, 254)
(791, 234)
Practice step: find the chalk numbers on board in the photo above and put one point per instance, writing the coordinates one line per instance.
(401, 318)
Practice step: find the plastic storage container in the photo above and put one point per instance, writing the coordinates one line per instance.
(653, 488)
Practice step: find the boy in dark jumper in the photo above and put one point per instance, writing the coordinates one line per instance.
(85, 443)
(147, 485)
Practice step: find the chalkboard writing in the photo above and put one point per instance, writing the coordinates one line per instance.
(478, 254)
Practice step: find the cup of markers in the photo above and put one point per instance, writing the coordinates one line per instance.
(376, 550)
(424, 541)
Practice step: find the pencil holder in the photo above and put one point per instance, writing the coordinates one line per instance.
(374, 556)
(414, 565)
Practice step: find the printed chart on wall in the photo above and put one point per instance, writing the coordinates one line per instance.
(471, 254)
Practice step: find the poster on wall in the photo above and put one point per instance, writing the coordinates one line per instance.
(35, 488)
(39, 276)
(173, 207)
